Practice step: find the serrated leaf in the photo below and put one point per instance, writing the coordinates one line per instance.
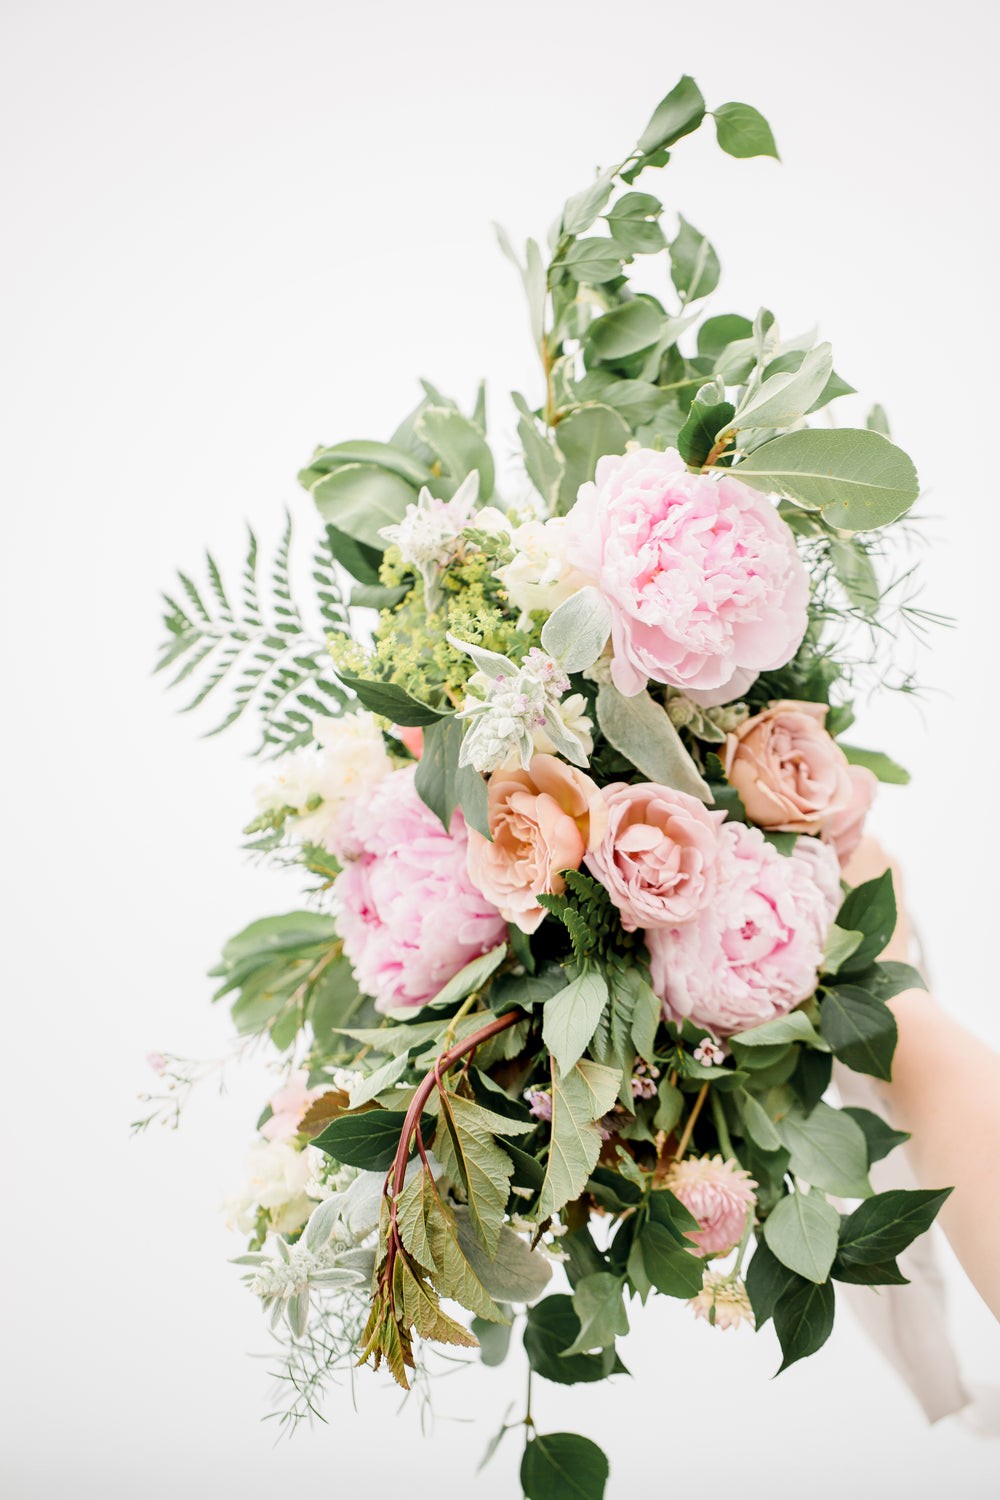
(801, 1231)
(454, 1277)
(569, 1018)
(465, 1147)
(516, 1273)
(422, 1309)
(415, 1203)
(583, 1096)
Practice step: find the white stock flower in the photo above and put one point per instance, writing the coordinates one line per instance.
(574, 721)
(277, 1176)
(538, 577)
(315, 781)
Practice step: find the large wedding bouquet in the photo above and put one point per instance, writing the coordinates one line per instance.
(572, 810)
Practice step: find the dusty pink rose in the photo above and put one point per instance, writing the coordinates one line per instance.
(753, 954)
(657, 858)
(705, 586)
(845, 828)
(288, 1106)
(407, 911)
(790, 773)
(543, 820)
(719, 1194)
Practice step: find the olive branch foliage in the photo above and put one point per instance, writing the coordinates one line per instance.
(256, 642)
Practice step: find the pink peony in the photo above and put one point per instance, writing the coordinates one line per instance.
(790, 773)
(705, 586)
(657, 858)
(407, 911)
(719, 1194)
(543, 820)
(288, 1106)
(753, 954)
(844, 830)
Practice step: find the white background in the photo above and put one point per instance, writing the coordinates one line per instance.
(234, 231)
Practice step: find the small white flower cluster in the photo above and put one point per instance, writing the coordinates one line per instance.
(522, 712)
(430, 531)
(312, 783)
(538, 576)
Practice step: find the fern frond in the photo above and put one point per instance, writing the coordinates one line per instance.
(261, 647)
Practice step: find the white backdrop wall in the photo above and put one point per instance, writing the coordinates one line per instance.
(235, 230)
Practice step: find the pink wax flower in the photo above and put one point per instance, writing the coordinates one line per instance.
(705, 586)
(719, 1194)
(657, 857)
(409, 915)
(753, 954)
(288, 1106)
(543, 820)
(845, 828)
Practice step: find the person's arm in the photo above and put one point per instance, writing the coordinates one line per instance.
(945, 1091)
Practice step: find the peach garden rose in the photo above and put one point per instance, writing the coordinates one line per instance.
(789, 771)
(543, 820)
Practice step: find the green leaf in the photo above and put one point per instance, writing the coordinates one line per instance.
(374, 596)
(673, 1271)
(640, 729)
(335, 999)
(597, 1302)
(577, 630)
(543, 461)
(861, 1030)
(360, 499)
(877, 421)
(632, 221)
(626, 329)
(803, 1320)
(743, 131)
(802, 1233)
(757, 1122)
(570, 1018)
(494, 1341)
(670, 1105)
(453, 1275)
(677, 115)
(795, 1027)
(270, 936)
(705, 421)
(827, 1150)
(459, 444)
(525, 991)
(393, 702)
(592, 260)
(646, 1010)
(582, 209)
(586, 435)
(716, 334)
(383, 1078)
(442, 784)
(583, 1096)
(884, 1225)
(552, 1326)
(563, 1466)
(384, 455)
(884, 768)
(870, 909)
(465, 1147)
(515, 1273)
(878, 1133)
(889, 978)
(838, 948)
(858, 480)
(694, 265)
(884, 1273)
(783, 398)
(369, 1140)
(360, 561)
(767, 1280)
(856, 575)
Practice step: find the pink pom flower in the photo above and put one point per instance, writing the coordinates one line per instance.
(288, 1106)
(408, 913)
(845, 828)
(753, 954)
(657, 857)
(705, 586)
(719, 1194)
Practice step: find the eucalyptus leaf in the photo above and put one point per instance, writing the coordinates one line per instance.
(626, 329)
(459, 444)
(359, 499)
(675, 116)
(857, 479)
(743, 131)
(587, 434)
(582, 209)
(694, 265)
(782, 399)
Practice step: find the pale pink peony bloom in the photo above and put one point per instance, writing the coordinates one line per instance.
(719, 1194)
(407, 911)
(657, 857)
(753, 954)
(288, 1106)
(790, 773)
(844, 830)
(723, 1302)
(705, 586)
(543, 820)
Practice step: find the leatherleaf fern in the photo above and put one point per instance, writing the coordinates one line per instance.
(258, 645)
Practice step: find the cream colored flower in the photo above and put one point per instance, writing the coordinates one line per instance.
(723, 1302)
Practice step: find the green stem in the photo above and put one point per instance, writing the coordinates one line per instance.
(722, 1129)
